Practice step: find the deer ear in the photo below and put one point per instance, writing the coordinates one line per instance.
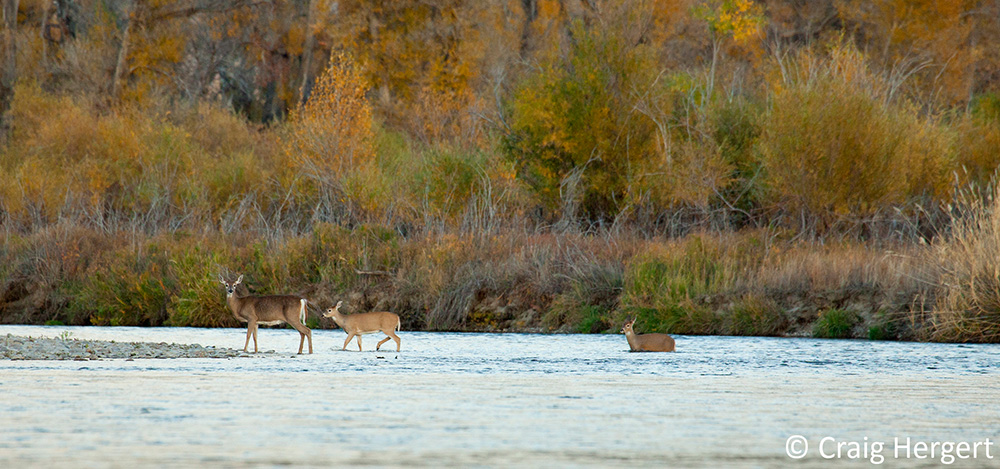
(238, 280)
(338, 305)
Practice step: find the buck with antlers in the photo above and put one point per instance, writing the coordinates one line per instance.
(647, 342)
(365, 323)
(268, 310)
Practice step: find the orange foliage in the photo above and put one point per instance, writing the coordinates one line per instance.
(836, 146)
(426, 61)
(331, 134)
(931, 37)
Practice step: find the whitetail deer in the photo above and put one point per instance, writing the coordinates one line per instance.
(268, 310)
(365, 323)
(647, 342)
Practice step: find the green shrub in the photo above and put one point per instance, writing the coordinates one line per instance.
(667, 284)
(587, 304)
(448, 179)
(737, 127)
(126, 289)
(574, 114)
(594, 319)
(755, 315)
(835, 324)
(199, 299)
(883, 327)
(684, 317)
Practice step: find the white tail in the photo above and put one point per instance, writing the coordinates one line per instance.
(365, 323)
(268, 310)
(647, 342)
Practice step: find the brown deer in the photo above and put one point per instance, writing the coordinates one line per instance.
(268, 310)
(647, 342)
(365, 323)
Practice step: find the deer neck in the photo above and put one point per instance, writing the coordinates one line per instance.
(630, 337)
(234, 302)
(338, 318)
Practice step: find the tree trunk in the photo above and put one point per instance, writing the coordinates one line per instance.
(45, 43)
(122, 64)
(307, 52)
(530, 8)
(9, 73)
(116, 83)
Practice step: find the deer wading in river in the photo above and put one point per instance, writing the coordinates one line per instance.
(268, 310)
(365, 323)
(647, 342)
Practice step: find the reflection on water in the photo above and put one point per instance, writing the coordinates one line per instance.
(487, 399)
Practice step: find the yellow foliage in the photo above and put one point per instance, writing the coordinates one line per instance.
(742, 19)
(691, 176)
(427, 61)
(835, 145)
(64, 158)
(331, 134)
(929, 38)
(977, 144)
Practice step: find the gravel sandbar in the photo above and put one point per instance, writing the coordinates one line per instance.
(14, 347)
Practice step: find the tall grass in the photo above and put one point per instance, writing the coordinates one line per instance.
(968, 307)
(753, 283)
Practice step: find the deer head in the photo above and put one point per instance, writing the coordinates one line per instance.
(230, 287)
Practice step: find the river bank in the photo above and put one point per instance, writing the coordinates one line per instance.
(746, 284)
(752, 283)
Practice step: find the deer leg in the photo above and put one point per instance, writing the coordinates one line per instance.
(296, 322)
(359, 342)
(255, 337)
(394, 337)
(346, 341)
(303, 333)
(246, 344)
(382, 342)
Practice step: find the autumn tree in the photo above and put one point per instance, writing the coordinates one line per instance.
(8, 72)
(928, 42)
(331, 135)
(740, 21)
(150, 37)
(572, 132)
(430, 63)
(836, 147)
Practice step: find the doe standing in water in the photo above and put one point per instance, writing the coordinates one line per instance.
(365, 323)
(647, 342)
(268, 310)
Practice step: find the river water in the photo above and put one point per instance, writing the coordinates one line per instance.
(500, 400)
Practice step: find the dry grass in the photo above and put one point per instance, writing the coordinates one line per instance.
(752, 283)
(968, 307)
